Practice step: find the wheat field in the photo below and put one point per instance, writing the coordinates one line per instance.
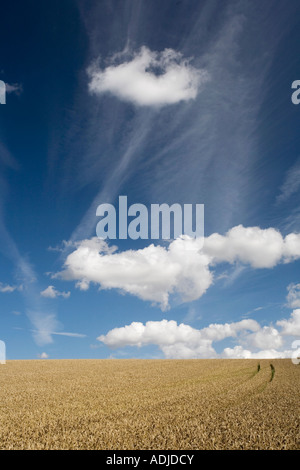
(149, 404)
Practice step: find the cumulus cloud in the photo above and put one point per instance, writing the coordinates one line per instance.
(175, 341)
(44, 334)
(63, 247)
(183, 268)
(292, 325)
(148, 78)
(181, 341)
(69, 335)
(152, 273)
(266, 338)
(261, 248)
(153, 332)
(52, 293)
(203, 350)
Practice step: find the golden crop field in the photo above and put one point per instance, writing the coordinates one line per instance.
(149, 404)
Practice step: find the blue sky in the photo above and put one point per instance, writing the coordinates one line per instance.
(164, 102)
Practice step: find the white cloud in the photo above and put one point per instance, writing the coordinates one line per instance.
(44, 325)
(291, 249)
(217, 332)
(152, 273)
(182, 341)
(293, 296)
(261, 248)
(292, 325)
(52, 293)
(236, 353)
(65, 245)
(182, 268)
(43, 356)
(230, 104)
(69, 335)
(149, 78)
(239, 353)
(175, 341)
(266, 338)
(16, 312)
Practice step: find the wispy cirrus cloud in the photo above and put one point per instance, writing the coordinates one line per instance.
(291, 184)
(43, 322)
(44, 330)
(15, 88)
(260, 248)
(238, 352)
(189, 148)
(50, 333)
(175, 340)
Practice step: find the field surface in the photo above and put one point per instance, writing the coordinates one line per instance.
(150, 404)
